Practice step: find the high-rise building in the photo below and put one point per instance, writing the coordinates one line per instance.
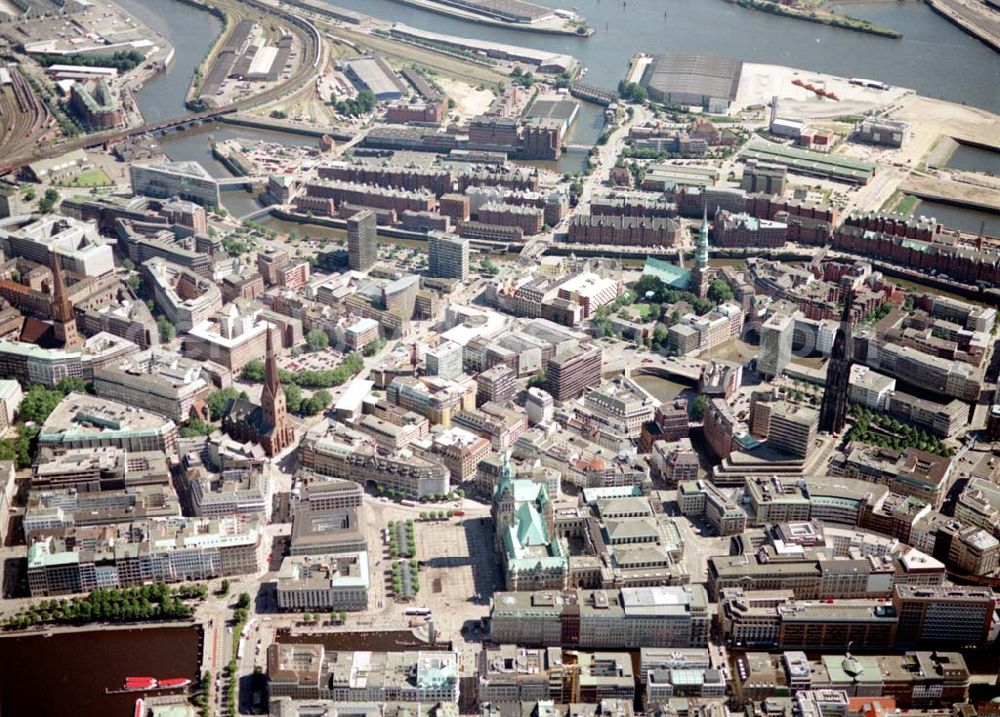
(445, 360)
(833, 409)
(539, 406)
(362, 240)
(952, 613)
(573, 371)
(448, 256)
(776, 336)
(792, 429)
(497, 384)
(63, 318)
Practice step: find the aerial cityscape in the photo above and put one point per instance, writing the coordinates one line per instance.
(427, 358)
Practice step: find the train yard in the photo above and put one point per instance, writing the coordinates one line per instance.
(25, 119)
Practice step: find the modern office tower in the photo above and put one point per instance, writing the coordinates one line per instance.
(947, 613)
(362, 240)
(539, 406)
(187, 180)
(833, 409)
(497, 384)
(572, 371)
(448, 256)
(792, 429)
(775, 345)
(445, 360)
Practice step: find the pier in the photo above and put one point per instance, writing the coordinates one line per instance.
(972, 20)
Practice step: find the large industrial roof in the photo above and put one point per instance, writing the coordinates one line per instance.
(694, 74)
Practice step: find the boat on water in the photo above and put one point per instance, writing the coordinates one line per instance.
(137, 684)
(140, 708)
(149, 684)
(174, 682)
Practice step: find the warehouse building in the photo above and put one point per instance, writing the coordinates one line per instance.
(370, 72)
(708, 82)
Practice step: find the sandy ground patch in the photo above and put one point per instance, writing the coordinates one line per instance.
(935, 117)
(759, 83)
(469, 101)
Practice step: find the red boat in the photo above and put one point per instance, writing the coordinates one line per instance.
(139, 684)
(140, 708)
(174, 682)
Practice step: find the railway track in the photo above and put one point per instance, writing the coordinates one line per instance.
(20, 153)
(25, 117)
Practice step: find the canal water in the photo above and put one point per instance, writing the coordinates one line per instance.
(975, 159)
(196, 145)
(968, 220)
(191, 31)
(66, 674)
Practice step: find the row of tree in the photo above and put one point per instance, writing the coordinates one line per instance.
(148, 602)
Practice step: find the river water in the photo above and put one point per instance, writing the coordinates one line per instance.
(934, 57)
(66, 674)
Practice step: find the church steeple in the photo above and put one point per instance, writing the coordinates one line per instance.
(699, 274)
(272, 402)
(63, 318)
(272, 380)
(701, 251)
(833, 408)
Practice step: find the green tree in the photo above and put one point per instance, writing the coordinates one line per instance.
(48, 201)
(167, 329)
(660, 334)
(719, 291)
(537, 380)
(699, 406)
(253, 371)
(38, 403)
(321, 399)
(195, 428)
(69, 384)
(217, 401)
(317, 403)
(373, 347)
(317, 340)
(489, 267)
(134, 283)
(293, 397)
(127, 265)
